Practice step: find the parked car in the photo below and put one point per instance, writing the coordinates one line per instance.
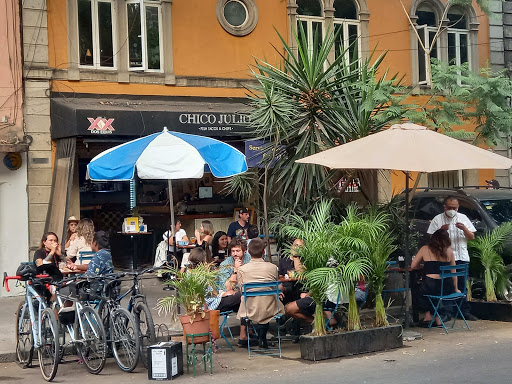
(486, 208)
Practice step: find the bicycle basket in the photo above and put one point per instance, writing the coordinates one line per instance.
(26, 271)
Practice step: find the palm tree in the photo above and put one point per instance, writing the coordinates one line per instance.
(308, 104)
(487, 249)
(334, 256)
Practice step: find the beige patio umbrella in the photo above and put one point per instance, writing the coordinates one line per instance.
(409, 148)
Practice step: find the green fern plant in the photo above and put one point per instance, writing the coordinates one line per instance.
(487, 248)
(193, 285)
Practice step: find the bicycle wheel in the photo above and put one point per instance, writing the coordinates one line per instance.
(92, 345)
(49, 350)
(24, 337)
(125, 339)
(147, 333)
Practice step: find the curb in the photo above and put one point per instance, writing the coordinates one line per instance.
(7, 357)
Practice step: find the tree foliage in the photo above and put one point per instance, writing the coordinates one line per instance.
(308, 104)
(460, 96)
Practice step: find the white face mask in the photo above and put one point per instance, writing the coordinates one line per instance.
(450, 213)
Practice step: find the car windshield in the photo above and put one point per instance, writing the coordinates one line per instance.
(499, 210)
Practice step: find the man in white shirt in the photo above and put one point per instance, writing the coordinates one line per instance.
(166, 246)
(460, 229)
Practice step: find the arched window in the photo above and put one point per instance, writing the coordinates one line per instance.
(459, 28)
(347, 29)
(427, 24)
(458, 36)
(310, 18)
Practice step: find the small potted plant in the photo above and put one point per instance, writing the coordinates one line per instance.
(192, 287)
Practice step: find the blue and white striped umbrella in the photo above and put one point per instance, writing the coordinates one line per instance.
(167, 155)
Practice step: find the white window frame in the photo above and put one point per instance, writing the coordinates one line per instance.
(143, 5)
(309, 28)
(95, 36)
(426, 30)
(346, 38)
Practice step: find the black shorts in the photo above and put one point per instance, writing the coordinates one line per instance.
(306, 306)
(230, 303)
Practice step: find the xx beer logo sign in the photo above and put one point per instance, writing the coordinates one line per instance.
(100, 125)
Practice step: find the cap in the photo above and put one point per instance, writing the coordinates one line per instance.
(244, 210)
(493, 182)
(72, 219)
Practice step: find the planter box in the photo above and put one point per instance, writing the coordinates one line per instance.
(350, 343)
(497, 311)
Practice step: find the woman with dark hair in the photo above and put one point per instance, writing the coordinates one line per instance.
(49, 251)
(436, 253)
(219, 247)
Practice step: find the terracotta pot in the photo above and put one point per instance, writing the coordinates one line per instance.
(200, 325)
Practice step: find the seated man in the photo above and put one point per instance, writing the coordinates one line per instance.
(261, 309)
(228, 287)
(167, 245)
(101, 262)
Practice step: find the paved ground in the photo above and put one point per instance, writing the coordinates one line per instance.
(481, 355)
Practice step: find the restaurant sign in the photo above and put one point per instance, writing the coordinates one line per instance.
(214, 122)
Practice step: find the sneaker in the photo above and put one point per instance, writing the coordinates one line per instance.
(470, 317)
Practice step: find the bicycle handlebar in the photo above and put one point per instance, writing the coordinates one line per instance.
(7, 278)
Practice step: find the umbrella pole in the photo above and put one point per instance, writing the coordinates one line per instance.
(406, 252)
(171, 208)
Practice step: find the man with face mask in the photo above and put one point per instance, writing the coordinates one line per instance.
(460, 229)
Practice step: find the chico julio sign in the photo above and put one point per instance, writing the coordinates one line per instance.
(215, 122)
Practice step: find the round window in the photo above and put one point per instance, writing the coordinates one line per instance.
(235, 13)
(238, 17)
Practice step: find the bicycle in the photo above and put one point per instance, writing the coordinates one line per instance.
(36, 327)
(82, 324)
(120, 325)
(138, 306)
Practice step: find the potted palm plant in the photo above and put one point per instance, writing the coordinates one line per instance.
(192, 287)
(335, 256)
(487, 249)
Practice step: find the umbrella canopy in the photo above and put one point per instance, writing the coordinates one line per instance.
(167, 155)
(408, 147)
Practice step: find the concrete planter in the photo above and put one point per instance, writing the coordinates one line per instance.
(497, 311)
(350, 343)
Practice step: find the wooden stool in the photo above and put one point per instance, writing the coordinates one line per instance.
(207, 352)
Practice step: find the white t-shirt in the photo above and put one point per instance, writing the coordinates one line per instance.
(459, 241)
(179, 235)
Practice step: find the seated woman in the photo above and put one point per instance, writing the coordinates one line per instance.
(205, 234)
(82, 241)
(436, 253)
(49, 251)
(219, 247)
(71, 233)
(47, 258)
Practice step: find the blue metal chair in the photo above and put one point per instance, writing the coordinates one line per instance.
(264, 289)
(85, 256)
(452, 299)
(224, 324)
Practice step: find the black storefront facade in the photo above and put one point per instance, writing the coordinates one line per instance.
(85, 125)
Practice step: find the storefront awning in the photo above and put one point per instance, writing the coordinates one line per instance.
(94, 116)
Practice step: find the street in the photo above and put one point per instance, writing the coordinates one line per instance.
(482, 355)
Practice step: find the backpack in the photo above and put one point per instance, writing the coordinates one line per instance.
(26, 271)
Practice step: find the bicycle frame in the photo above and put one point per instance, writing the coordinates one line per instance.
(73, 327)
(30, 296)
